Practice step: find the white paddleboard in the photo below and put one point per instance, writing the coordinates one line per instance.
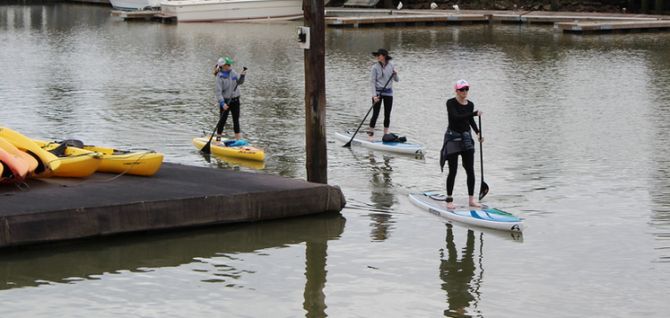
(483, 217)
(376, 144)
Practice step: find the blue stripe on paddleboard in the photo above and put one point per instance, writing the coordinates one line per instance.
(475, 215)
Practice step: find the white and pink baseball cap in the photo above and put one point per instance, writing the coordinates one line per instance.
(461, 83)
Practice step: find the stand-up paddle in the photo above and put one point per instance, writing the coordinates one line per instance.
(484, 188)
(348, 144)
(207, 148)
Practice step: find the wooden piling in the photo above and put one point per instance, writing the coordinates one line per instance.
(315, 93)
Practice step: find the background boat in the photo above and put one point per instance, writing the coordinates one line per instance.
(226, 10)
(133, 5)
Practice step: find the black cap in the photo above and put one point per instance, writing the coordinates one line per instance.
(383, 52)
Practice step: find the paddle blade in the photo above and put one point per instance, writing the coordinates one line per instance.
(483, 190)
(207, 148)
(347, 145)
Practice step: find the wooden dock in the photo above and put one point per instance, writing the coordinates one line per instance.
(178, 196)
(405, 20)
(575, 22)
(612, 26)
(145, 15)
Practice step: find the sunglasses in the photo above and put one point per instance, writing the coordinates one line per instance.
(464, 89)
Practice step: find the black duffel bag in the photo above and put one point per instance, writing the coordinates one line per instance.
(393, 138)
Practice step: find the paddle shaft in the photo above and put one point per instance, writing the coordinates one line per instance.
(348, 144)
(481, 151)
(483, 188)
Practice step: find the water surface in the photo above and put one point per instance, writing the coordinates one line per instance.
(576, 131)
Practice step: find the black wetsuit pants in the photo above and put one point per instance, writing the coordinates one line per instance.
(468, 164)
(388, 104)
(233, 107)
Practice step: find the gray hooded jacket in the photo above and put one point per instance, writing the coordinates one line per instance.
(379, 76)
(227, 85)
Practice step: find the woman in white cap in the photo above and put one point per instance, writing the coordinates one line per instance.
(227, 94)
(458, 141)
(381, 74)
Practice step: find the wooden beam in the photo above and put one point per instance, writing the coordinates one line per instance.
(315, 93)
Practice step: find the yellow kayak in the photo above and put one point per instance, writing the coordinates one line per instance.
(47, 161)
(246, 152)
(75, 162)
(141, 163)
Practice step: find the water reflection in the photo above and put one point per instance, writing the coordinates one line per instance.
(458, 276)
(231, 163)
(382, 196)
(85, 260)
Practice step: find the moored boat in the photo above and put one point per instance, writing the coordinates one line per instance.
(230, 10)
(134, 5)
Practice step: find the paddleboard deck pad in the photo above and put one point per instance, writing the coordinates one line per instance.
(485, 216)
(398, 147)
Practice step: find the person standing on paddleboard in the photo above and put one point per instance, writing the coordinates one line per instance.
(381, 73)
(458, 141)
(227, 94)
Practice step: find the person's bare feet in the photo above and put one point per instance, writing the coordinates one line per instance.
(451, 206)
(474, 203)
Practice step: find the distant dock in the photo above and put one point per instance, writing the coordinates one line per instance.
(570, 22)
(145, 15)
(178, 196)
(613, 26)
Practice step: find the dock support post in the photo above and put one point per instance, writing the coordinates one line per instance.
(315, 93)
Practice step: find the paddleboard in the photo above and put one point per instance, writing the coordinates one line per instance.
(376, 144)
(487, 217)
(246, 151)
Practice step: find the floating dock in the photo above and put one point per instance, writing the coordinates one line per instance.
(612, 26)
(575, 22)
(405, 20)
(178, 196)
(145, 15)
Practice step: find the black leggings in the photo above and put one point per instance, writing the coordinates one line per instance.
(388, 103)
(234, 107)
(468, 164)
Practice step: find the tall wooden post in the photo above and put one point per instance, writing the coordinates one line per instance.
(315, 93)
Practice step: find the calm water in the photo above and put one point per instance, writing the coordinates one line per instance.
(577, 131)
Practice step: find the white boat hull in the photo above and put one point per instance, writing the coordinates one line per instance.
(226, 10)
(130, 5)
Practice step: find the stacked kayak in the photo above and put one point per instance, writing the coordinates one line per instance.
(22, 157)
(46, 161)
(139, 163)
(75, 162)
(378, 144)
(483, 217)
(240, 149)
